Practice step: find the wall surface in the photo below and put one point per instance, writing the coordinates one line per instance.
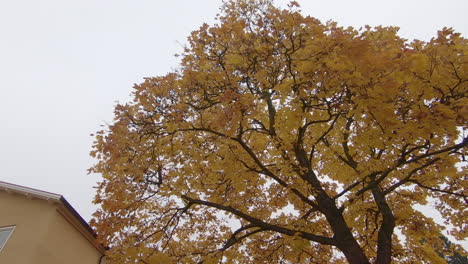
(42, 235)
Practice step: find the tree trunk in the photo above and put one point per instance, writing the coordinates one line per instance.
(342, 234)
(353, 252)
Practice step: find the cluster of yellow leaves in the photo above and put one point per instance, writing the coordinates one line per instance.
(257, 93)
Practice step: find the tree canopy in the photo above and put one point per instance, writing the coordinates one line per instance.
(281, 139)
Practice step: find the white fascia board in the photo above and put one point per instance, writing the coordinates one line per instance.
(29, 192)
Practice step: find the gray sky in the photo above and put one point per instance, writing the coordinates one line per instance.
(64, 64)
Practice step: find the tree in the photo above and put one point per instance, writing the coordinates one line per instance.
(281, 139)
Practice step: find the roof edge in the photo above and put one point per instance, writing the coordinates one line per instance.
(29, 191)
(77, 216)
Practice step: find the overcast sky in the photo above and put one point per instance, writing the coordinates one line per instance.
(65, 63)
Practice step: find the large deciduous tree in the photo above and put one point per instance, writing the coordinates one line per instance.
(281, 139)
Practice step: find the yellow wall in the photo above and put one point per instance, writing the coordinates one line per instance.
(42, 235)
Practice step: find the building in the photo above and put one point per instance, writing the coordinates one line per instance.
(43, 228)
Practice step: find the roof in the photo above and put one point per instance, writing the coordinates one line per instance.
(65, 209)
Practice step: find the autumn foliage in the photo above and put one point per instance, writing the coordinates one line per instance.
(281, 139)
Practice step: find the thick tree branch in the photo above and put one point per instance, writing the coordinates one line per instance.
(384, 238)
(261, 224)
(326, 205)
(349, 159)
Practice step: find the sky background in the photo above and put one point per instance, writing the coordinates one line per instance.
(64, 64)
